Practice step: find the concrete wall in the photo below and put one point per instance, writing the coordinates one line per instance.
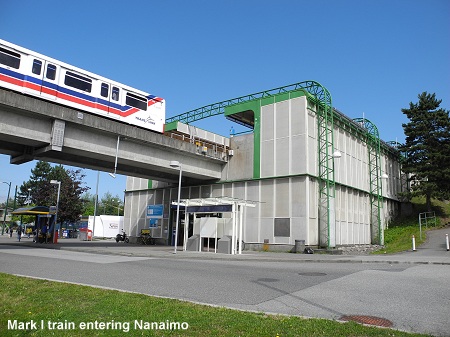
(288, 139)
(286, 185)
(240, 165)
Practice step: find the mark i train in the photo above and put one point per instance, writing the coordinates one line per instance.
(31, 73)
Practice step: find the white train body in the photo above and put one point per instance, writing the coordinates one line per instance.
(31, 73)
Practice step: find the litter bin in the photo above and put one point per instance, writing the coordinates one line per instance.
(224, 245)
(82, 236)
(299, 246)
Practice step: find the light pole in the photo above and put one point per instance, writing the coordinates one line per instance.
(176, 164)
(56, 182)
(95, 202)
(115, 164)
(6, 207)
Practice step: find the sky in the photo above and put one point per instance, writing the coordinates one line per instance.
(374, 57)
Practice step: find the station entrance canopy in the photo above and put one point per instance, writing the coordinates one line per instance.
(217, 205)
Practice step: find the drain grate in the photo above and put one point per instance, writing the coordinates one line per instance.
(369, 320)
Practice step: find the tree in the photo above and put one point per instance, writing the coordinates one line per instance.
(70, 201)
(427, 148)
(43, 193)
(88, 203)
(38, 187)
(110, 205)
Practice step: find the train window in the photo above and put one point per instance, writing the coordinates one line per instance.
(37, 67)
(104, 91)
(51, 72)
(77, 81)
(137, 101)
(115, 93)
(9, 58)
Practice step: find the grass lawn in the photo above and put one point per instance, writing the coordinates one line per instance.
(61, 309)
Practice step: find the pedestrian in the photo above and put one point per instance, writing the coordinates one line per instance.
(10, 232)
(19, 232)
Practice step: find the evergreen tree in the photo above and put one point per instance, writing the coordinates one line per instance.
(36, 190)
(427, 148)
(44, 193)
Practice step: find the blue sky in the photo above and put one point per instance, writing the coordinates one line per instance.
(373, 56)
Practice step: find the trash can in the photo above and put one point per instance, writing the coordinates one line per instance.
(224, 245)
(82, 236)
(299, 246)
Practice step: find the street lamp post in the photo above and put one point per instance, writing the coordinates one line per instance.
(6, 207)
(115, 164)
(56, 182)
(176, 164)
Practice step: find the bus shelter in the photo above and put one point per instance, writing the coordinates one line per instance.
(43, 224)
(209, 229)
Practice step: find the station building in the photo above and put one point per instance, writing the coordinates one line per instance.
(310, 173)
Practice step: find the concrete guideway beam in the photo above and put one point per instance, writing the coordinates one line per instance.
(34, 129)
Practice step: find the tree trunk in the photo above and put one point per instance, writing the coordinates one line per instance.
(428, 202)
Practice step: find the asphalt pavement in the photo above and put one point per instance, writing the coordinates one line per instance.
(410, 289)
(433, 251)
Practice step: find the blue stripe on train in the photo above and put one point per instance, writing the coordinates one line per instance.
(53, 86)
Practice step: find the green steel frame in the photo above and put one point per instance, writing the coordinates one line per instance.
(327, 118)
(321, 97)
(219, 107)
(376, 198)
(327, 184)
(404, 183)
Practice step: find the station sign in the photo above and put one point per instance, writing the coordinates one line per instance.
(155, 211)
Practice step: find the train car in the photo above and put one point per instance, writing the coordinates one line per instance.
(34, 74)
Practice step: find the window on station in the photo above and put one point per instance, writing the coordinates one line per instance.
(51, 72)
(9, 58)
(104, 90)
(78, 81)
(136, 101)
(37, 67)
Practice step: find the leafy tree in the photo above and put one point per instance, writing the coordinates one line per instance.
(88, 203)
(110, 205)
(427, 148)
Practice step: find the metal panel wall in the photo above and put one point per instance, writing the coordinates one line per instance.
(288, 187)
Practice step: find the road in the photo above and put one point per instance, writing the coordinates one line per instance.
(412, 294)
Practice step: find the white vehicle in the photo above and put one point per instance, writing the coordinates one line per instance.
(31, 73)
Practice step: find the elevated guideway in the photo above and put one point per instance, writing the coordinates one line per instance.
(34, 129)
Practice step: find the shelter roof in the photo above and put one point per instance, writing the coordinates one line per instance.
(35, 210)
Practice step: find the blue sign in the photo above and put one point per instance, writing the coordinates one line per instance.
(153, 223)
(155, 211)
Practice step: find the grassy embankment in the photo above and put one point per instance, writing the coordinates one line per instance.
(398, 237)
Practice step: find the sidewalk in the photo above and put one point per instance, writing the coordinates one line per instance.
(433, 251)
